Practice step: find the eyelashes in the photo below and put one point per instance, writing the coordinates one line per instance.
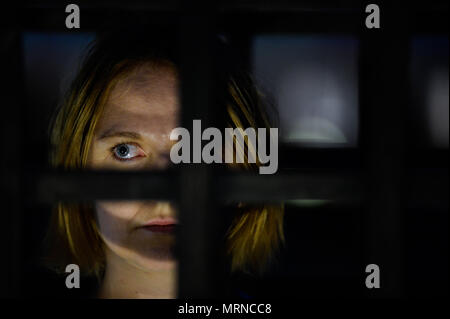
(127, 151)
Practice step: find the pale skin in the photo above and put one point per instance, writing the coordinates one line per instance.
(133, 134)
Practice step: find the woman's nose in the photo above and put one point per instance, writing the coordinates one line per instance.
(163, 209)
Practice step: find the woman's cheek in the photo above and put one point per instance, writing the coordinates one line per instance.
(115, 218)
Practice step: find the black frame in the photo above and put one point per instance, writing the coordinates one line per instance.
(199, 275)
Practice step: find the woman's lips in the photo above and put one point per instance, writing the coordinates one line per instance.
(161, 228)
(161, 225)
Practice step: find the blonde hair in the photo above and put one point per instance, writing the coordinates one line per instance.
(256, 231)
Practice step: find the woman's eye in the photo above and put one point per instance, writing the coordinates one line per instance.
(126, 151)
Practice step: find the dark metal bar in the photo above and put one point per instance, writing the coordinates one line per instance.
(319, 184)
(341, 186)
(428, 186)
(384, 96)
(75, 186)
(12, 165)
(258, 16)
(197, 240)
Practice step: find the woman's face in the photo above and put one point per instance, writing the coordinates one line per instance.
(133, 134)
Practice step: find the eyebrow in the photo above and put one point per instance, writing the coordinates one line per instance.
(128, 134)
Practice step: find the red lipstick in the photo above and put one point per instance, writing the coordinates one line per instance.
(166, 225)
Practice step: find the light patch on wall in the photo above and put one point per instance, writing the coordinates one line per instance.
(314, 82)
(437, 111)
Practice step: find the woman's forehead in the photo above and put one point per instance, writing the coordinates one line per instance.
(147, 99)
(149, 82)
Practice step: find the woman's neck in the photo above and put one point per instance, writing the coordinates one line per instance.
(124, 280)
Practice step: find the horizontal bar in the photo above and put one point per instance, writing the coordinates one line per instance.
(242, 18)
(254, 5)
(74, 186)
(343, 186)
(336, 185)
(312, 184)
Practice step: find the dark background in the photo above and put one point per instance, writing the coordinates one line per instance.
(370, 186)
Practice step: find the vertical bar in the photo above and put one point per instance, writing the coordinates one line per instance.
(12, 128)
(384, 92)
(198, 237)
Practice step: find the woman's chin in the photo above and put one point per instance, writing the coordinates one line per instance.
(156, 260)
(147, 258)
